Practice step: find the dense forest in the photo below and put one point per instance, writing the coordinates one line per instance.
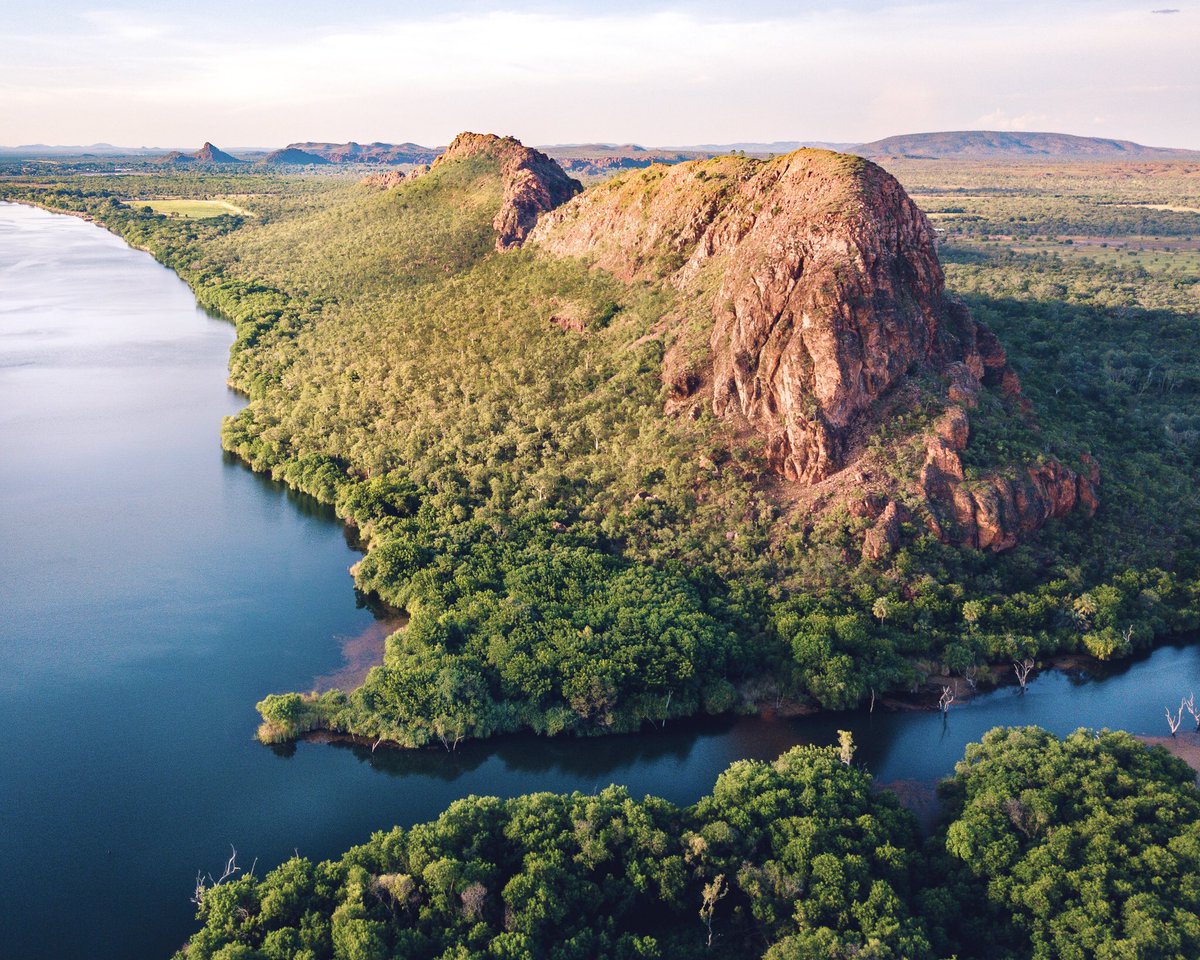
(575, 561)
(1086, 847)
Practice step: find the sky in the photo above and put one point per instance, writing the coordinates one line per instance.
(262, 73)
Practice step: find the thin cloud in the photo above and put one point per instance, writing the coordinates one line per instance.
(1002, 120)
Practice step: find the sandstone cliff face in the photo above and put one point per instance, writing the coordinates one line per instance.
(828, 297)
(997, 511)
(533, 183)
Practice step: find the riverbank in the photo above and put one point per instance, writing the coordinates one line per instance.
(1075, 669)
(1185, 746)
(363, 502)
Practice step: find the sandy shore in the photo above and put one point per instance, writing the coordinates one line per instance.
(1185, 746)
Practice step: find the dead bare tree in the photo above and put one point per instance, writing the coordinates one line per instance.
(474, 899)
(945, 700)
(205, 881)
(711, 895)
(971, 675)
(1176, 718)
(1190, 704)
(1023, 669)
(450, 746)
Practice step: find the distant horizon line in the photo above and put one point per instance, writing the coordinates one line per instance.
(116, 149)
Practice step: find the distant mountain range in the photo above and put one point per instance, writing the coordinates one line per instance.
(94, 149)
(775, 147)
(601, 158)
(389, 153)
(997, 145)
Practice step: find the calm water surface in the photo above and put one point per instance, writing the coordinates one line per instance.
(151, 591)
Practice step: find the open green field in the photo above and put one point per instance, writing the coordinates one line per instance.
(189, 209)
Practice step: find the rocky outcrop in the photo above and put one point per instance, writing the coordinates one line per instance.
(826, 297)
(533, 183)
(211, 154)
(996, 511)
(830, 290)
(207, 154)
(393, 178)
(884, 536)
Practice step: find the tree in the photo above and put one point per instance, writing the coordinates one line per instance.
(712, 894)
(1091, 843)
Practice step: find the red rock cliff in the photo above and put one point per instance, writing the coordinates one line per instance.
(828, 295)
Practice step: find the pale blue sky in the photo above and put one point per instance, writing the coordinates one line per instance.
(264, 73)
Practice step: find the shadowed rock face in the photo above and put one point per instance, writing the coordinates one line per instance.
(829, 295)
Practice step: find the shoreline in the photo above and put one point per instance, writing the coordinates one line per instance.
(923, 699)
(1185, 746)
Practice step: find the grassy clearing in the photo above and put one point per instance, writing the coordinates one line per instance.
(190, 209)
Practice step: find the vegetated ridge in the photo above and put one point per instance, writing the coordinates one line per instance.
(532, 182)
(996, 144)
(293, 156)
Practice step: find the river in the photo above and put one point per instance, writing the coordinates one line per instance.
(151, 590)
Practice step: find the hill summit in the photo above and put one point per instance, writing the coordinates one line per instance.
(532, 182)
(1009, 145)
(207, 154)
(293, 156)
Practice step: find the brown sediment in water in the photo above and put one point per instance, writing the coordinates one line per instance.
(919, 797)
(361, 652)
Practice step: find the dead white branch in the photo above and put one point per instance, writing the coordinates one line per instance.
(1023, 669)
(1176, 718)
(1190, 704)
(205, 882)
